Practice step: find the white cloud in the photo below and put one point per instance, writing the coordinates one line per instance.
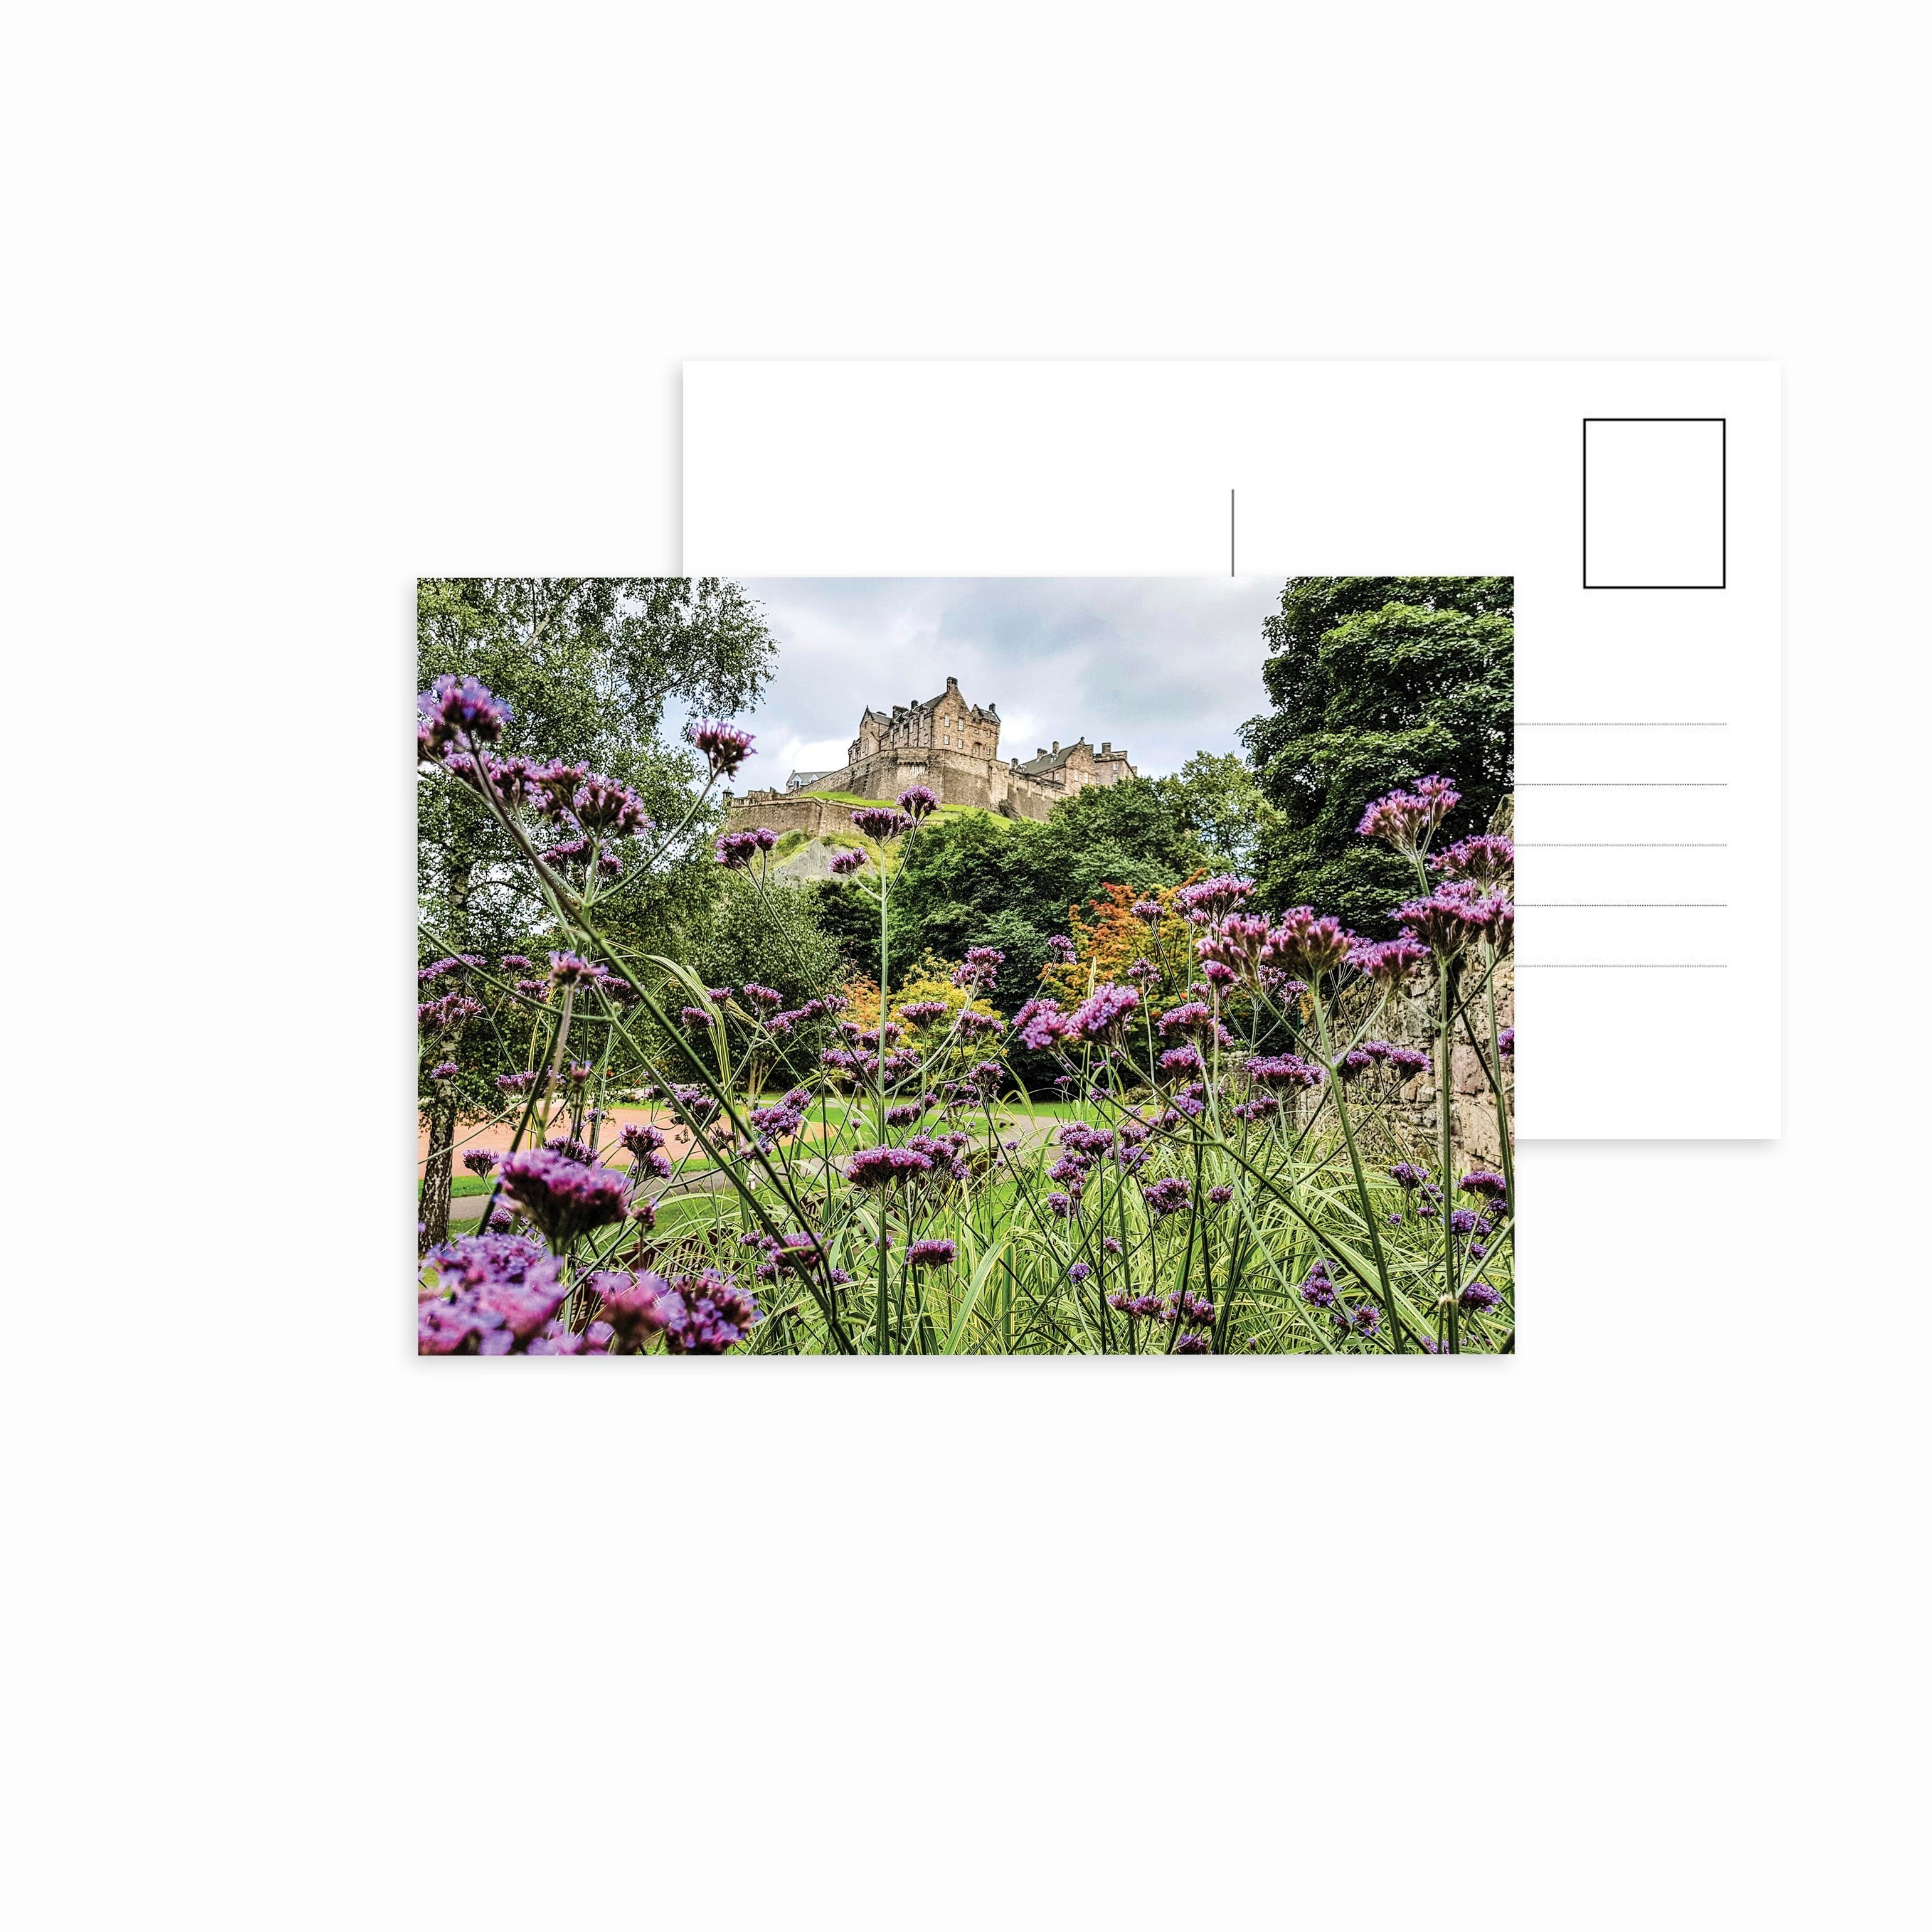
(1165, 666)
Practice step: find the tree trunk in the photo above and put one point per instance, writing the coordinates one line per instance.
(433, 1211)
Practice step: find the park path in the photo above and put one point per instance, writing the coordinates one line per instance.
(496, 1138)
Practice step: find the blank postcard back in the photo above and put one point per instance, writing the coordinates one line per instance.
(1636, 504)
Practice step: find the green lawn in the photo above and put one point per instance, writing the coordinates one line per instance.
(945, 811)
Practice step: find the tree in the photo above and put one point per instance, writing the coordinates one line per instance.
(590, 666)
(977, 879)
(1376, 681)
(1216, 801)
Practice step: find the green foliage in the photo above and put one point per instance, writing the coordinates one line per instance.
(977, 879)
(1216, 801)
(768, 933)
(590, 666)
(1375, 681)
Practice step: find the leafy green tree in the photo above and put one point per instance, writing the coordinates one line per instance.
(590, 667)
(1376, 681)
(1216, 802)
(978, 879)
(768, 933)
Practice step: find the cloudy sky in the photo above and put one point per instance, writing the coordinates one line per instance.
(1165, 666)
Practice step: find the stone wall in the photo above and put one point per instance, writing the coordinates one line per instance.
(1474, 1106)
(792, 812)
(958, 777)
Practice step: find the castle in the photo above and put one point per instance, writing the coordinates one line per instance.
(947, 744)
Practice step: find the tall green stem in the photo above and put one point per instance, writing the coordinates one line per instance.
(1445, 1085)
(1397, 1340)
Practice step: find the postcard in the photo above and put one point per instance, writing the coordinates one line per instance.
(966, 966)
(1633, 506)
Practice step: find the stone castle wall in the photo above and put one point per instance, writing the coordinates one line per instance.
(959, 778)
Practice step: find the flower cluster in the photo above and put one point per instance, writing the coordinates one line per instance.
(1405, 819)
(1483, 859)
(1282, 1069)
(457, 706)
(881, 822)
(880, 1166)
(493, 1293)
(736, 850)
(724, 746)
(979, 969)
(1404, 1063)
(562, 1197)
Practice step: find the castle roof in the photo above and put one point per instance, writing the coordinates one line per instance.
(919, 705)
(1049, 761)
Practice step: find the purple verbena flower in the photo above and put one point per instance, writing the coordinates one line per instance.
(637, 1306)
(1482, 859)
(1478, 1298)
(844, 863)
(736, 850)
(1386, 962)
(1103, 1014)
(1405, 819)
(930, 1254)
(1281, 1069)
(881, 822)
(715, 1313)
(724, 746)
(494, 1291)
(1167, 1197)
(1237, 944)
(564, 1197)
(454, 705)
(1039, 1024)
(917, 802)
(1190, 1311)
(980, 967)
(1444, 921)
(444, 1069)
(880, 1166)
(1305, 944)
(1209, 898)
(1193, 1017)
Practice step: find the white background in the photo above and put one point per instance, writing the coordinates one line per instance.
(1627, 1631)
